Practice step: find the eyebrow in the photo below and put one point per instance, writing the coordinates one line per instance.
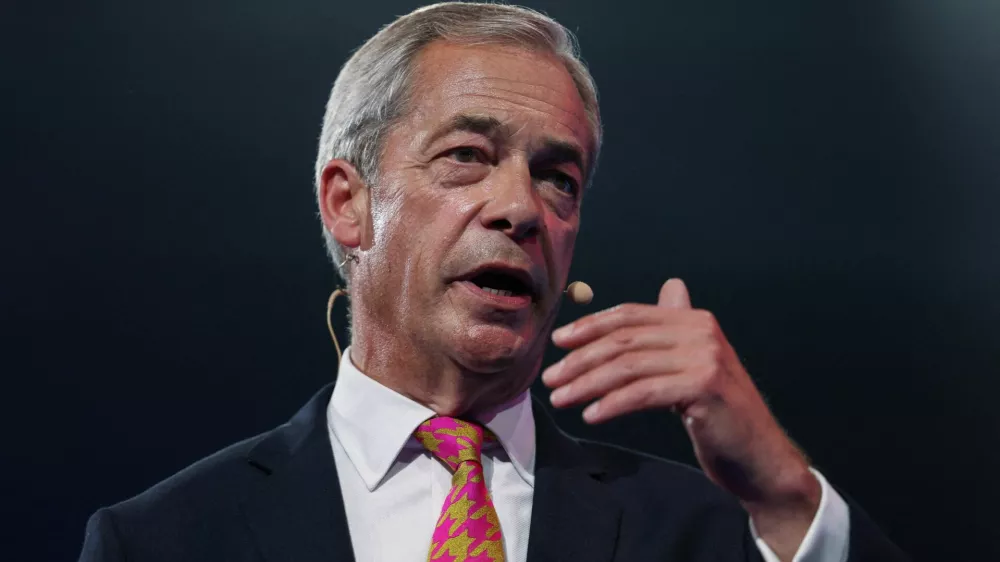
(554, 152)
(551, 152)
(478, 124)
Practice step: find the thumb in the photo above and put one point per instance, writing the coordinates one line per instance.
(674, 294)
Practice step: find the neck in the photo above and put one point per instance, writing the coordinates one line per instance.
(434, 379)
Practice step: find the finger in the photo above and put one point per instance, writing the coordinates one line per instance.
(643, 394)
(605, 349)
(616, 374)
(674, 294)
(599, 324)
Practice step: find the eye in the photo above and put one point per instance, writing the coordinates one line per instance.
(467, 155)
(563, 182)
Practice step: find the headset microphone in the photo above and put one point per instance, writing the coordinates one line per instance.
(577, 291)
(580, 292)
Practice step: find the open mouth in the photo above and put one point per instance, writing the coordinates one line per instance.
(503, 283)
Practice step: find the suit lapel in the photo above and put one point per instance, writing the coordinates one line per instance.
(296, 511)
(573, 515)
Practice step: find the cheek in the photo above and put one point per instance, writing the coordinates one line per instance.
(562, 237)
(415, 225)
(386, 210)
(439, 217)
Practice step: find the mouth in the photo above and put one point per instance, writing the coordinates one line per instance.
(503, 285)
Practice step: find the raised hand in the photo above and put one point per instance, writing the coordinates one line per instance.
(671, 356)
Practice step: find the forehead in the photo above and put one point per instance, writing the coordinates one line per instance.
(528, 90)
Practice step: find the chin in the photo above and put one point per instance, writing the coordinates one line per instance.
(490, 348)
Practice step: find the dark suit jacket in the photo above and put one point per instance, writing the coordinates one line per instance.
(276, 498)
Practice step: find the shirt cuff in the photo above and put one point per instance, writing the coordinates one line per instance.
(828, 537)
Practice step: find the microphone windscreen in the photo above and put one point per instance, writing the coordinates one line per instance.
(580, 292)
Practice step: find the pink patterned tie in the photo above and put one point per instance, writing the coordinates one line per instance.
(468, 529)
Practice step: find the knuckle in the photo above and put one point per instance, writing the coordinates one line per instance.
(628, 310)
(612, 400)
(640, 363)
(569, 364)
(705, 319)
(630, 364)
(707, 378)
(708, 333)
(664, 394)
(624, 339)
(711, 353)
(647, 395)
(583, 386)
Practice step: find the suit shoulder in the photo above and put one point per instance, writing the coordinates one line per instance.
(210, 481)
(176, 518)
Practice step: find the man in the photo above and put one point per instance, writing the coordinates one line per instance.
(454, 153)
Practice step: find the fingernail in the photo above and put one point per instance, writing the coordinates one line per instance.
(590, 412)
(552, 372)
(559, 395)
(563, 332)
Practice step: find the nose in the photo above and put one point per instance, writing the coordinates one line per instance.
(513, 207)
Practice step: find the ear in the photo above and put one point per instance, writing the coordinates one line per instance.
(343, 202)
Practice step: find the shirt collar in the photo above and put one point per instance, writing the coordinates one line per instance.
(373, 423)
(514, 426)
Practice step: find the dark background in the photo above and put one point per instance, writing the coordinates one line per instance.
(824, 175)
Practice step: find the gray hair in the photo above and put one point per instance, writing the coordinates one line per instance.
(372, 90)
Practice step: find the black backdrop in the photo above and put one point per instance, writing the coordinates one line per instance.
(824, 175)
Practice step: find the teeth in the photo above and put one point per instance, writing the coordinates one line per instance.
(499, 292)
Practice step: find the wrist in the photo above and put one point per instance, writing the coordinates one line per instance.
(785, 512)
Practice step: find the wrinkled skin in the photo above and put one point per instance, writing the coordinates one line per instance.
(450, 199)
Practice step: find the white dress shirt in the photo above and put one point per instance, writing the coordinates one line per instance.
(394, 489)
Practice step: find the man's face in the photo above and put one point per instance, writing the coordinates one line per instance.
(477, 208)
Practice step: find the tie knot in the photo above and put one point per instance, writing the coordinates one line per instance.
(452, 440)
